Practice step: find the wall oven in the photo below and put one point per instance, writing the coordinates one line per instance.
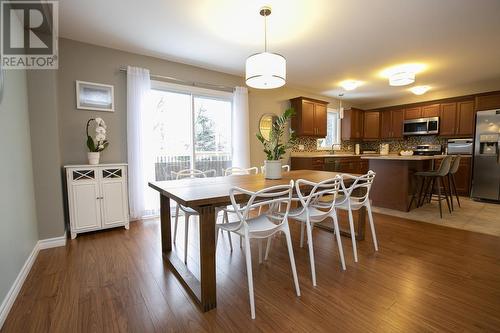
(422, 126)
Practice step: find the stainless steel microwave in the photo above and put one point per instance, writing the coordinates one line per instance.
(422, 126)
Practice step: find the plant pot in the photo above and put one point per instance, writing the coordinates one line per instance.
(273, 169)
(93, 157)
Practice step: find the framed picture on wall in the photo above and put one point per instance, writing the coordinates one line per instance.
(95, 96)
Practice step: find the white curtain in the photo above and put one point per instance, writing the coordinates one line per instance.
(241, 128)
(142, 199)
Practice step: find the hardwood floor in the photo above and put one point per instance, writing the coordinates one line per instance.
(425, 278)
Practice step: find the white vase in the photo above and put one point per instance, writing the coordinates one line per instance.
(93, 157)
(273, 169)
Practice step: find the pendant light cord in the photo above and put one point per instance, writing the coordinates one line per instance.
(265, 32)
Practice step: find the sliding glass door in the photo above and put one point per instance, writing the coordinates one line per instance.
(191, 130)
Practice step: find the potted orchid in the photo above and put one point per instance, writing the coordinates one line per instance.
(98, 143)
(276, 147)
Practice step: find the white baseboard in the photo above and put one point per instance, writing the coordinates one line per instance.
(52, 242)
(21, 277)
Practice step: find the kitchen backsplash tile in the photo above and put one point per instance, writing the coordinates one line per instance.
(395, 145)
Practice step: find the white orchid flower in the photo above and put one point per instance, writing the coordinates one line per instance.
(100, 130)
(100, 122)
(100, 137)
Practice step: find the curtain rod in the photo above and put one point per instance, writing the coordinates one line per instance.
(187, 83)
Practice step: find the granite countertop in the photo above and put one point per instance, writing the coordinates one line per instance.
(402, 158)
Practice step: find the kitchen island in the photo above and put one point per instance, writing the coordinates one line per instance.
(395, 181)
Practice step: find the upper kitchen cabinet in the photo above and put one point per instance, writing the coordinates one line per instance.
(488, 101)
(413, 113)
(352, 124)
(457, 119)
(371, 125)
(391, 123)
(310, 117)
(430, 111)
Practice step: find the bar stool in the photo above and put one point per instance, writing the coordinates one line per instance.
(435, 178)
(451, 180)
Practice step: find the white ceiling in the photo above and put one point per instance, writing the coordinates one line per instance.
(323, 41)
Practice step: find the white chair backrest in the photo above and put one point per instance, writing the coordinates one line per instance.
(362, 182)
(240, 171)
(285, 168)
(192, 173)
(316, 191)
(272, 197)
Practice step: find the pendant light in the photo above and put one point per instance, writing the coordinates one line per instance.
(265, 70)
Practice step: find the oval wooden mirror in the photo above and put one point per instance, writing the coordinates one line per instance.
(265, 124)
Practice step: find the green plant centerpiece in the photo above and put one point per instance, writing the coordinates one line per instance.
(276, 146)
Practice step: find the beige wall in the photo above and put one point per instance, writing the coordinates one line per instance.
(18, 225)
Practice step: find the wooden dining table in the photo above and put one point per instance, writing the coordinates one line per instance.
(204, 195)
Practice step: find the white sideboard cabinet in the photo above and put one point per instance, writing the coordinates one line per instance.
(97, 197)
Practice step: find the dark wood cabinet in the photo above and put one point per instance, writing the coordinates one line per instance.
(430, 111)
(488, 101)
(371, 125)
(448, 115)
(351, 164)
(457, 119)
(352, 124)
(465, 115)
(307, 163)
(391, 124)
(310, 117)
(413, 113)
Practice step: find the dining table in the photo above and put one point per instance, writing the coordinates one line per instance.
(204, 195)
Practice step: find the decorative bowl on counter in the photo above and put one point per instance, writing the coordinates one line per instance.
(406, 152)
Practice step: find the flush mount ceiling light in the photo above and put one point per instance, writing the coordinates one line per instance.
(265, 70)
(402, 75)
(401, 79)
(350, 84)
(420, 90)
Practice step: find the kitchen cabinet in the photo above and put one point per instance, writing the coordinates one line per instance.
(97, 197)
(413, 113)
(391, 124)
(430, 111)
(457, 119)
(350, 164)
(310, 117)
(488, 101)
(371, 125)
(352, 124)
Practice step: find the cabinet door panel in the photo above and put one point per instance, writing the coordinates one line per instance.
(113, 203)
(371, 125)
(357, 124)
(465, 115)
(386, 124)
(448, 119)
(86, 210)
(398, 117)
(430, 111)
(463, 176)
(320, 120)
(413, 113)
(307, 120)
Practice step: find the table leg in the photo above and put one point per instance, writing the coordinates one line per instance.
(166, 233)
(207, 258)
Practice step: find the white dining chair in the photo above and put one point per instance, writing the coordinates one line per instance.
(355, 197)
(187, 211)
(285, 168)
(313, 210)
(240, 171)
(262, 226)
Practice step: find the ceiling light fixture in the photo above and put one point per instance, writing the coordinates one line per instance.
(401, 79)
(265, 70)
(350, 84)
(420, 90)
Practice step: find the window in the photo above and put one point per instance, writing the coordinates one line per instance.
(191, 129)
(332, 140)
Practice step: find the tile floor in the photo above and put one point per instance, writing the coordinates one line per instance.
(472, 216)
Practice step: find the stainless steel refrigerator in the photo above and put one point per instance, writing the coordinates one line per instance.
(486, 178)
